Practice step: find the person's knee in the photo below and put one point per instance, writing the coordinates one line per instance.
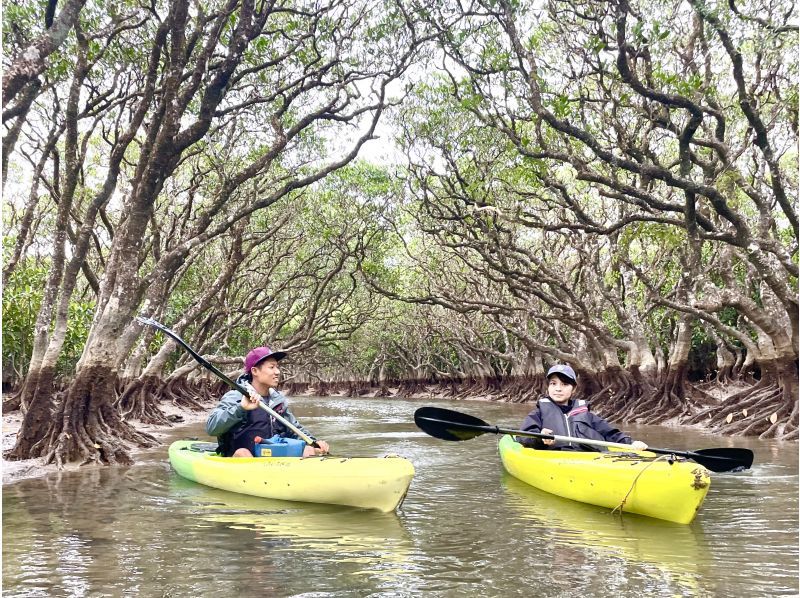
(242, 452)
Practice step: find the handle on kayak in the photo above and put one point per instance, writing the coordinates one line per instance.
(251, 392)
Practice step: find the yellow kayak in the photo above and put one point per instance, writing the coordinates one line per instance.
(367, 483)
(670, 489)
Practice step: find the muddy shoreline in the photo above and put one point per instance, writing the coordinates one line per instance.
(14, 471)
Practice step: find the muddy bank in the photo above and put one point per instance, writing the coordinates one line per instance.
(14, 471)
(479, 389)
(728, 407)
(506, 390)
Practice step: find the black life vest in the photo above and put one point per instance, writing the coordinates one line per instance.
(257, 422)
(576, 423)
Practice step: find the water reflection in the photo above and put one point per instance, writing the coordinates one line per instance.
(346, 535)
(671, 553)
(120, 531)
(63, 531)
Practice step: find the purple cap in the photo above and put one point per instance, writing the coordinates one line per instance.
(564, 370)
(258, 355)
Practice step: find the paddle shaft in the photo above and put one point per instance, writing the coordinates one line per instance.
(583, 441)
(586, 441)
(248, 391)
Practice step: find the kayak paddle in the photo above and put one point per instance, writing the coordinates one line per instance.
(446, 424)
(245, 390)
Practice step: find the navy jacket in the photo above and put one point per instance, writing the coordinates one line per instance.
(574, 419)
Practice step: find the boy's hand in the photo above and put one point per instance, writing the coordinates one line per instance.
(548, 441)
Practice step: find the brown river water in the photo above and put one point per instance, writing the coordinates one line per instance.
(465, 529)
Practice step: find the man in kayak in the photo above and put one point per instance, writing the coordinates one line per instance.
(237, 420)
(559, 414)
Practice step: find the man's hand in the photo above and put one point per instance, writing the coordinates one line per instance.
(312, 451)
(249, 403)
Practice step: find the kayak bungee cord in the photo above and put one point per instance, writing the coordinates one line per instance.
(621, 505)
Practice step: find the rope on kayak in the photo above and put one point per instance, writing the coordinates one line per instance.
(636, 479)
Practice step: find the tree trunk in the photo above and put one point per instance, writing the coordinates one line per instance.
(31, 63)
(84, 424)
(38, 413)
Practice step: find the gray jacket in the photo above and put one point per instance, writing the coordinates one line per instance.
(229, 413)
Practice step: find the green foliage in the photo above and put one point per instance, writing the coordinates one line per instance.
(22, 296)
(22, 21)
(561, 106)
(79, 321)
(609, 318)
(700, 335)
(728, 316)
(596, 44)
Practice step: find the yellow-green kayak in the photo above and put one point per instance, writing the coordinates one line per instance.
(363, 482)
(670, 489)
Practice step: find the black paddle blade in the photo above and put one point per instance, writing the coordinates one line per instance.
(449, 425)
(723, 459)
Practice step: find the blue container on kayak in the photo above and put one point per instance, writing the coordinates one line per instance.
(280, 447)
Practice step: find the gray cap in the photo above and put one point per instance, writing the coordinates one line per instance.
(564, 370)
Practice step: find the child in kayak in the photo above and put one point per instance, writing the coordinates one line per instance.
(559, 414)
(238, 420)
